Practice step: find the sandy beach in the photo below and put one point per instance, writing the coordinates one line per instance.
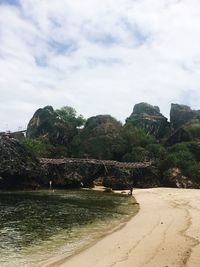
(165, 233)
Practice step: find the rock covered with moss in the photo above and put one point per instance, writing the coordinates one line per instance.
(185, 124)
(58, 127)
(149, 118)
(101, 138)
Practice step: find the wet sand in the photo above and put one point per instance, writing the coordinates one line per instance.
(165, 233)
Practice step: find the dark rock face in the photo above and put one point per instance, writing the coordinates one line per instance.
(18, 168)
(71, 174)
(185, 123)
(43, 124)
(138, 178)
(181, 114)
(149, 118)
(145, 108)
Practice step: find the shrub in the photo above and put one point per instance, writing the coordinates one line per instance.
(37, 146)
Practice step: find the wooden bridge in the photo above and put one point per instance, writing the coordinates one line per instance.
(115, 174)
(128, 165)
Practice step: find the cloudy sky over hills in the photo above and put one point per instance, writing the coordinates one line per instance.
(98, 56)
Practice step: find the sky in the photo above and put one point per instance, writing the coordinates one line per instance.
(98, 56)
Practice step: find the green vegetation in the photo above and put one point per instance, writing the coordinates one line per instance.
(55, 127)
(173, 146)
(101, 138)
(37, 146)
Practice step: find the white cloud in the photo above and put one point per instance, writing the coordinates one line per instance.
(97, 56)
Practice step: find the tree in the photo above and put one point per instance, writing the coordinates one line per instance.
(136, 137)
(101, 138)
(138, 154)
(58, 127)
(193, 172)
(69, 115)
(156, 151)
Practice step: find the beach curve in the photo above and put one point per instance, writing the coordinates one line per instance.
(165, 233)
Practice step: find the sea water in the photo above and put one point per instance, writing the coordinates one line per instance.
(37, 226)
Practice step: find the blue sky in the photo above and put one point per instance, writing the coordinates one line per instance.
(98, 56)
(9, 2)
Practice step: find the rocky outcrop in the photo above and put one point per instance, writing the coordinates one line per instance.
(149, 118)
(56, 128)
(18, 168)
(181, 114)
(185, 123)
(101, 138)
(174, 178)
(44, 124)
(139, 178)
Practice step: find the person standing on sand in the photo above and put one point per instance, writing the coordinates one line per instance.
(131, 191)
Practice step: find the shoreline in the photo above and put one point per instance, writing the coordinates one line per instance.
(60, 259)
(165, 232)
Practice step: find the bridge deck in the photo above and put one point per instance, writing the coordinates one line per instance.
(130, 165)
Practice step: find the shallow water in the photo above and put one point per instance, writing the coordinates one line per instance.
(36, 226)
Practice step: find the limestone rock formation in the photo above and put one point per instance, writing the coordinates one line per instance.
(185, 123)
(181, 114)
(43, 123)
(58, 127)
(18, 168)
(149, 118)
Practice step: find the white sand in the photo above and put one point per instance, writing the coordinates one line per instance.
(165, 233)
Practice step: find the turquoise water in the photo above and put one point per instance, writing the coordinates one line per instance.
(37, 226)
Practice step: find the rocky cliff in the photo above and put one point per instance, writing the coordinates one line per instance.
(182, 114)
(56, 128)
(18, 168)
(185, 124)
(149, 118)
(44, 123)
